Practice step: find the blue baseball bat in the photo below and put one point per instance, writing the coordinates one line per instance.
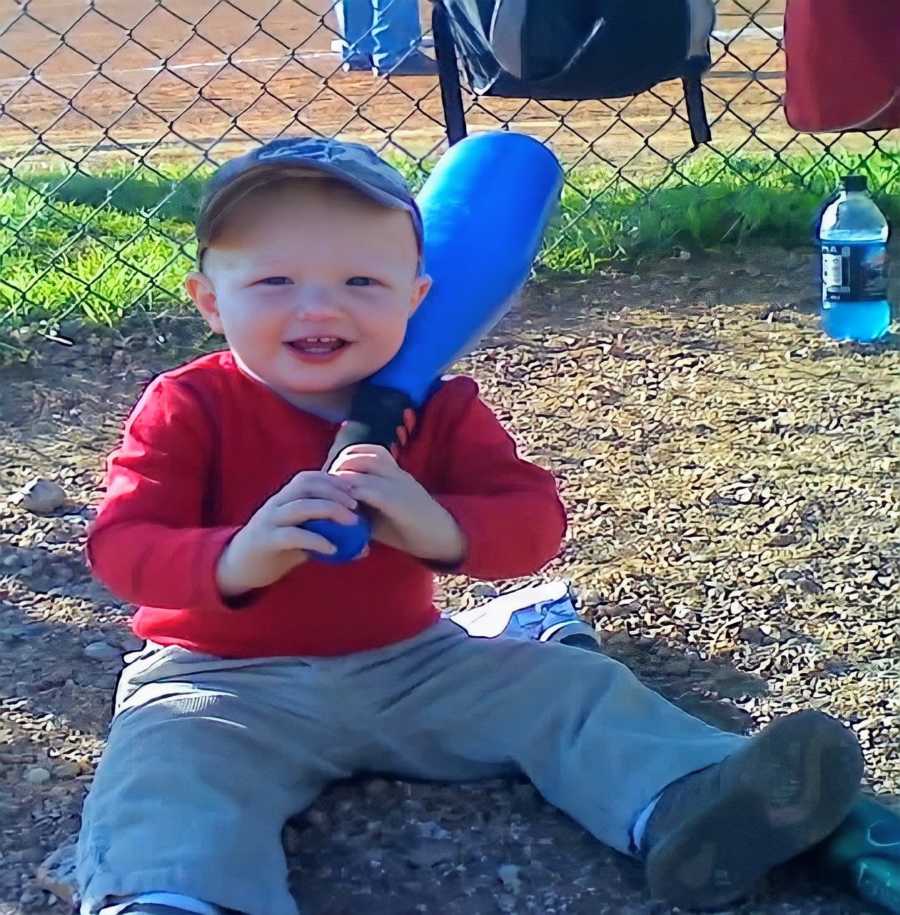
(485, 209)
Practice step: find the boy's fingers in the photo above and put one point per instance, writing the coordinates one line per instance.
(301, 510)
(370, 490)
(364, 448)
(285, 539)
(379, 464)
(323, 486)
(361, 450)
(306, 479)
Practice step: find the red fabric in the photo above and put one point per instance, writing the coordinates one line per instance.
(842, 64)
(206, 445)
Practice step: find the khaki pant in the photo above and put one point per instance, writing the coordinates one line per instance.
(208, 757)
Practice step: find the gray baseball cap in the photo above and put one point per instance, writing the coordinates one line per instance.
(356, 165)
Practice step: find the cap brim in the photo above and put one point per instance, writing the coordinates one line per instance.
(220, 202)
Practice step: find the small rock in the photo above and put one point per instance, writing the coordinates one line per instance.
(509, 877)
(67, 769)
(102, 651)
(91, 635)
(57, 873)
(431, 830)
(428, 852)
(131, 642)
(32, 898)
(752, 634)
(377, 787)
(782, 540)
(685, 614)
(809, 586)
(39, 496)
(623, 608)
(317, 818)
(23, 631)
(37, 776)
(506, 903)
(64, 532)
(52, 680)
(678, 665)
(789, 575)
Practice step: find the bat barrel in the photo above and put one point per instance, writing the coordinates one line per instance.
(485, 208)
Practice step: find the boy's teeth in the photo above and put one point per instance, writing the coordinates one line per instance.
(318, 344)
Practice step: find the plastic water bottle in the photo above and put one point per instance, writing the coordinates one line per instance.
(853, 236)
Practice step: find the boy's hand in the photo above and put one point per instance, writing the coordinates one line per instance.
(406, 517)
(272, 543)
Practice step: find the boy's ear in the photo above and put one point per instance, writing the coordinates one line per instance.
(201, 291)
(420, 289)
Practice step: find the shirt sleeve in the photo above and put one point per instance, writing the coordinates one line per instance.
(508, 509)
(148, 544)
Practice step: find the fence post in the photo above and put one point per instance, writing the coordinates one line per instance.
(448, 73)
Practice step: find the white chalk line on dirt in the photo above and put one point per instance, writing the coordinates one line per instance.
(723, 36)
(161, 68)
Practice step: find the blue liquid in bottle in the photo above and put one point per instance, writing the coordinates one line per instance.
(853, 238)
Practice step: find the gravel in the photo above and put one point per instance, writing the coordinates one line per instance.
(731, 479)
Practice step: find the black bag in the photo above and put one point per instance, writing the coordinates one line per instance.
(576, 49)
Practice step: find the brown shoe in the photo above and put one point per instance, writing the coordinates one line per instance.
(714, 833)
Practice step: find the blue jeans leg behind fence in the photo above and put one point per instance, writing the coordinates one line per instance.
(355, 19)
(382, 32)
(396, 31)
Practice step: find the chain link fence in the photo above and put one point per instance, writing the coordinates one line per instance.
(148, 95)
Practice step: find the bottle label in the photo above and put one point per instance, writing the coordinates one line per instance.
(854, 272)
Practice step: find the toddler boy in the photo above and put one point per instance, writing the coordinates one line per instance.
(266, 674)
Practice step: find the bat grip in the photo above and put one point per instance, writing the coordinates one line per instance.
(376, 414)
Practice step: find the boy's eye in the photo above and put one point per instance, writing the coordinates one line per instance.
(276, 281)
(361, 281)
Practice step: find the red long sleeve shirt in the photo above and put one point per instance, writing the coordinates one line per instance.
(206, 445)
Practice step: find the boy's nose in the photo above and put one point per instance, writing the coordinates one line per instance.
(313, 299)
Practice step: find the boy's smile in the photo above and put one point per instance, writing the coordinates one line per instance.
(312, 285)
(317, 349)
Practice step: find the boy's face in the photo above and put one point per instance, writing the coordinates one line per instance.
(312, 285)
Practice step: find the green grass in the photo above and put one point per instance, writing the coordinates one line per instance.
(67, 259)
(95, 247)
(755, 199)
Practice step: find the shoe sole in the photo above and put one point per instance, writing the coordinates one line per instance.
(572, 632)
(796, 783)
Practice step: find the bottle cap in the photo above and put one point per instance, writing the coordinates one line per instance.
(855, 183)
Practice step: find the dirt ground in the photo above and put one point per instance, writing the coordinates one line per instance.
(731, 477)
